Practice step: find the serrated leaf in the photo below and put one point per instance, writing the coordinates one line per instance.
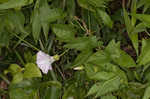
(14, 4)
(64, 32)
(105, 18)
(31, 70)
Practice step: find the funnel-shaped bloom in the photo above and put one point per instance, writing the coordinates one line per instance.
(44, 61)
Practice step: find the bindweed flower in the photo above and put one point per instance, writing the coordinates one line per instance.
(44, 61)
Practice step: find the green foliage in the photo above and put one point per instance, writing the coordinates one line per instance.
(64, 32)
(15, 4)
(146, 94)
(143, 59)
(103, 49)
(31, 70)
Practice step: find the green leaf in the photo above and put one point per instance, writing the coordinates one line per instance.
(51, 83)
(92, 4)
(2, 1)
(135, 41)
(144, 59)
(64, 32)
(28, 57)
(105, 18)
(125, 60)
(108, 86)
(18, 77)
(26, 89)
(94, 89)
(82, 58)
(83, 43)
(127, 20)
(17, 19)
(4, 38)
(36, 25)
(99, 58)
(103, 75)
(85, 4)
(118, 56)
(113, 49)
(130, 29)
(15, 4)
(108, 97)
(146, 94)
(14, 68)
(48, 15)
(31, 70)
(144, 18)
(45, 26)
(18, 94)
(105, 87)
(115, 69)
(139, 28)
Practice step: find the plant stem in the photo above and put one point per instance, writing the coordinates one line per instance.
(53, 89)
(32, 46)
(4, 78)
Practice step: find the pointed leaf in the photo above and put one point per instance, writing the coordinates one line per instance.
(146, 94)
(31, 70)
(108, 86)
(105, 18)
(64, 32)
(14, 4)
(36, 25)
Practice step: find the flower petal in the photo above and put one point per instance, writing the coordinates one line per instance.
(44, 61)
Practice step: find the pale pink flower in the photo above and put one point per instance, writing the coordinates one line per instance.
(44, 61)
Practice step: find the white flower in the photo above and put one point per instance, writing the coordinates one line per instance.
(44, 61)
(79, 68)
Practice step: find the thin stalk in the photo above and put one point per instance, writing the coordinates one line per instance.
(32, 46)
(4, 78)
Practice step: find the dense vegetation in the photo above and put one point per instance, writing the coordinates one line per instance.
(74, 49)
